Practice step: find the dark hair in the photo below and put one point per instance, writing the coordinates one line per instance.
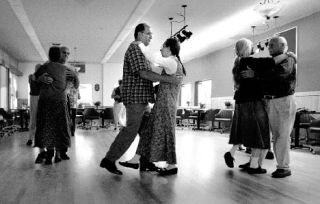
(174, 47)
(139, 28)
(54, 54)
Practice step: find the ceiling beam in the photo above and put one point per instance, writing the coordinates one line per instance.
(21, 14)
(141, 9)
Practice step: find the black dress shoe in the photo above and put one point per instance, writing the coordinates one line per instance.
(48, 162)
(248, 150)
(29, 142)
(228, 159)
(130, 165)
(270, 155)
(110, 166)
(64, 156)
(57, 159)
(240, 148)
(145, 165)
(49, 156)
(41, 156)
(281, 173)
(258, 170)
(244, 166)
(166, 172)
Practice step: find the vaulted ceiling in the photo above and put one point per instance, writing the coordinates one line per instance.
(99, 31)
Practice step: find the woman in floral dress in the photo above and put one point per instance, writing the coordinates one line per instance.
(158, 134)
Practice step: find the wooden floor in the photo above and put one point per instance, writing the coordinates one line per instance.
(202, 178)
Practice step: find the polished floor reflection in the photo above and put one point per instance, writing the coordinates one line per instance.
(202, 178)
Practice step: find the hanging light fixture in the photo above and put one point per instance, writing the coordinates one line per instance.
(268, 8)
(56, 44)
(260, 47)
(181, 38)
(181, 34)
(186, 33)
(254, 50)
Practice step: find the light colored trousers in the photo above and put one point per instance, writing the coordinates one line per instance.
(281, 113)
(257, 157)
(33, 116)
(119, 114)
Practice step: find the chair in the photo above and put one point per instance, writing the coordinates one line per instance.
(79, 118)
(6, 117)
(223, 118)
(90, 114)
(199, 116)
(209, 117)
(7, 126)
(179, 117)
(2, 125)
(314, 135)
(194, 116)
(302, 121)
(186, 116)
(107, 114)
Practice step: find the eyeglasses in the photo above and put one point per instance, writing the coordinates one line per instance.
(149, 33)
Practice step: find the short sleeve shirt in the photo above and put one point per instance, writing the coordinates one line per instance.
(136, 90)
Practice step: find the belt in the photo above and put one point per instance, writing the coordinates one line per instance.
(271, 96)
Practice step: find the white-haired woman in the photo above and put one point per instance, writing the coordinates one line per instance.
(250, 124)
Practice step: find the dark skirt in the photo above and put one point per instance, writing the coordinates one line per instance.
(250, 125)
(53, 124)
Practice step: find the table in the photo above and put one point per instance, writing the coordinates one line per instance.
(101, 110)
(199, 112)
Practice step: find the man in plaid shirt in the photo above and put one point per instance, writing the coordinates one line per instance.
(137, 91)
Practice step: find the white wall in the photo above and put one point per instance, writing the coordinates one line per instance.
(93, 75)
(26, 68)
(112, 72)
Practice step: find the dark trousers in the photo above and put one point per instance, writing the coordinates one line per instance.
(127, 134)
(73, 120)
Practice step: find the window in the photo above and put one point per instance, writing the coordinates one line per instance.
(13, 92)
(4, 87)
(85, 91)
(186, 95)
(203, 93)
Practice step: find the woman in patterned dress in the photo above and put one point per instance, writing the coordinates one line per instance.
(158, 134)
(53, 130)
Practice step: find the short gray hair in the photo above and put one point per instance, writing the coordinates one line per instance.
(282, 41)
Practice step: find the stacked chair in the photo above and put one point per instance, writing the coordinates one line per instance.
(223, 120)
(107, 116)
(7, 127)
(314, 136)
(90, 114)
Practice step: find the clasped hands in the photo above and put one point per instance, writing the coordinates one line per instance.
(45, 78)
